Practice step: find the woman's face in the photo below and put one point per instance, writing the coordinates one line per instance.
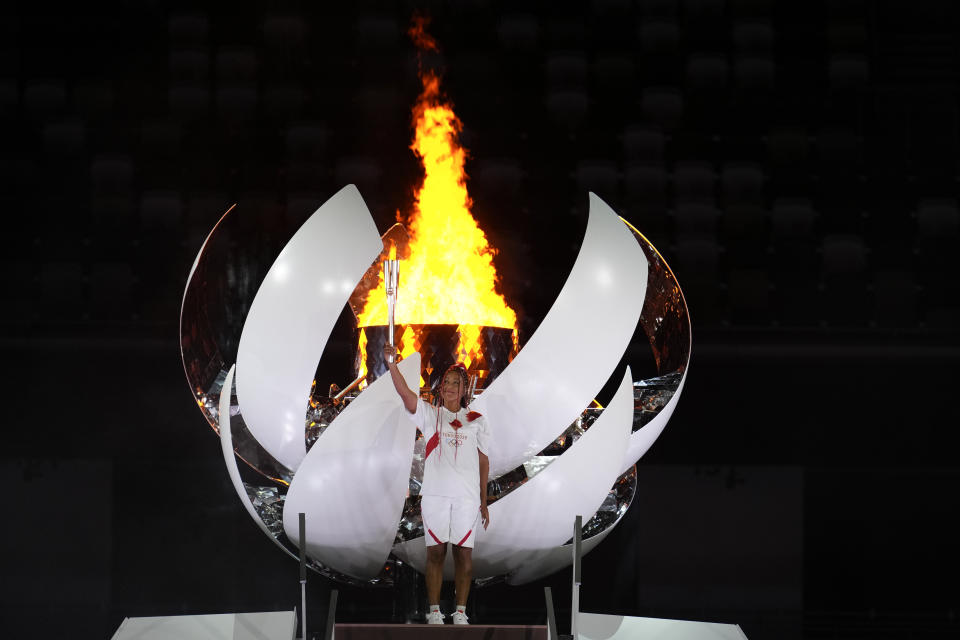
(452, 390)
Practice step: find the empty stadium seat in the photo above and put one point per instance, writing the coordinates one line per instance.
(62, 289)
(237, 65)
(161, 210)
(938, 231)
(749, 301)
(896, 299)
(658, 36)
(707, 72)
(644, 185)
(568, 107)
(793, 218)
(644, 145)
(497, 177)
(598, 176)
(695, 220)
(518, 31)
(189, 66)
(566, 70)
(658, 8)
(112, 292)
(95, 100)
(64, 138)
(188, 28)
(306, 139)
(189, 102)
(753, 37)
(844, 269)
(615, 73)
(363, 171)
(237, 102)
(282, 31)
(694, 181)
(695, 261)
(662, 106)
(377, 31)
(44, 98)
(283, 101)
(754, 72)
(742, 184)
(160, 140)
(848, 72)
(745, 234)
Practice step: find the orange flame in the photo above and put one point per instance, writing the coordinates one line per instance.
(448, 277)
(418, 33)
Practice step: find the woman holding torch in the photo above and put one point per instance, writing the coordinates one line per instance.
(454, 491)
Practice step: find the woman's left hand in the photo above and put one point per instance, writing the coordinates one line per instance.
(484, 516)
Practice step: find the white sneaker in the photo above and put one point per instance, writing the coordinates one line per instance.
(460, 617)
(435, 617)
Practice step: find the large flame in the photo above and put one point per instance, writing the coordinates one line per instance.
(448, 276)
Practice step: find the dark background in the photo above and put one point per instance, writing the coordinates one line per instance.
(795, 163)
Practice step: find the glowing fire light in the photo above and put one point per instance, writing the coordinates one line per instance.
(448, 276)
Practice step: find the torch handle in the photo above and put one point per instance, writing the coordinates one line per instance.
(391, 280)
(390, 331)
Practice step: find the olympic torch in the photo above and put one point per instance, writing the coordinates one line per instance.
(391, 279)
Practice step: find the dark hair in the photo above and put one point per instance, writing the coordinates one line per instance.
(464, 381)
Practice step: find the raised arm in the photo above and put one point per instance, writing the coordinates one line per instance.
(406, 393)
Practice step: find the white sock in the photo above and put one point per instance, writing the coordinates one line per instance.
(462, 608)
(434, 607)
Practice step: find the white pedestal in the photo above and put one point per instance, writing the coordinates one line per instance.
(596, 626)
(267, 625)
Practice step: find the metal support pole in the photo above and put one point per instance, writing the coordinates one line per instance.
(303, 576)
(575, 602)
(331, 615)
(391, 281)
(551, 616)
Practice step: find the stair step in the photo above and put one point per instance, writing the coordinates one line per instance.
(438, 632)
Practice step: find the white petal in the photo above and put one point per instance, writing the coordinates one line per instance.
(353, 482)
(292, 316)
(580, 341)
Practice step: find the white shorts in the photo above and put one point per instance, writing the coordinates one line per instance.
(450, 520)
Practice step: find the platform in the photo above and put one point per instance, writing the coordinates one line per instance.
(438, 632)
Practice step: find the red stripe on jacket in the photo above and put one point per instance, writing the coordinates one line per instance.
(432, 444)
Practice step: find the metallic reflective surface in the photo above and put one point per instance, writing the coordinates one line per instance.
(666, 322)
(219, 289)
(665, 318)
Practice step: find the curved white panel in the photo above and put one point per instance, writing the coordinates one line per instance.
(643, 438)
(529, 522)
(226, 446)
(543, 563)
(292, 316)
(571, 355)
(353, 482)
